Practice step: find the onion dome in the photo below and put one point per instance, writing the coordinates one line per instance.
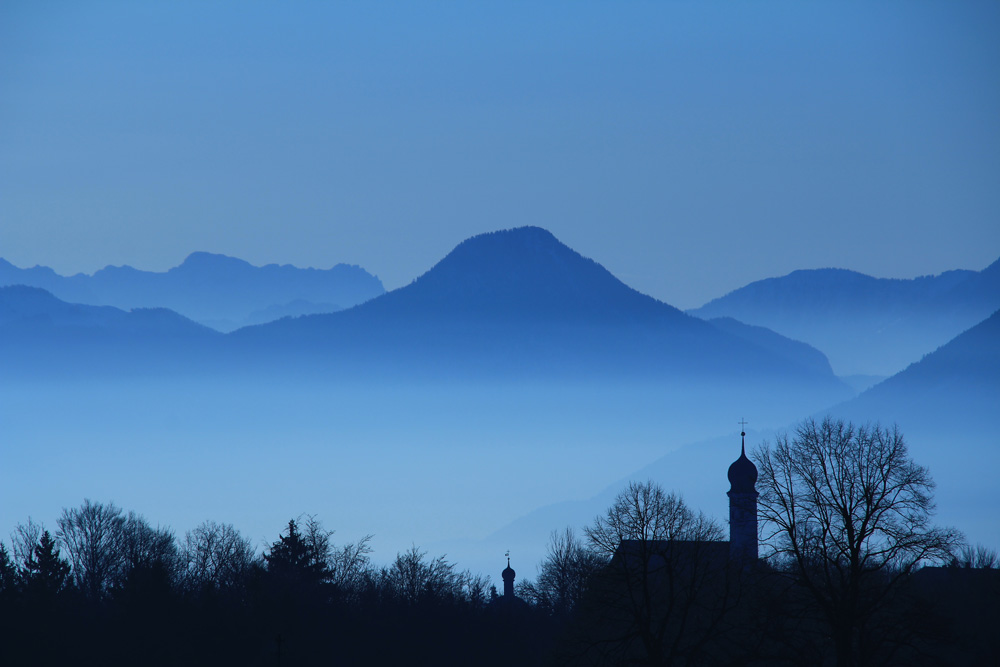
(743, 473)
(508, 572)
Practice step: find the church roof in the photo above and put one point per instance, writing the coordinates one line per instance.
(508, 572)
(743, 473)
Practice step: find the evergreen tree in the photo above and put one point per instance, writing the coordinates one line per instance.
(45, 572)
(8, 572)
(297, 559)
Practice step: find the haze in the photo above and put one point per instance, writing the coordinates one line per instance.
(688, 148)
(691, 147)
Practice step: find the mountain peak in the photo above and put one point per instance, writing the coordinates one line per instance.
(508, 247)
(211, 261)
(519, 271)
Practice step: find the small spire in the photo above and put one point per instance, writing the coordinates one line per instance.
(743, 437)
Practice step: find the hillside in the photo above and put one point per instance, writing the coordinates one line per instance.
(41, 336)
(520, 305)
(865, 325)
(216, 290)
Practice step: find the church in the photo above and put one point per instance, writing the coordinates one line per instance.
(743, 507)
(741, 550)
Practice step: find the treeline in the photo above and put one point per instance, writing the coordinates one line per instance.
(854, 572)
(107, 588)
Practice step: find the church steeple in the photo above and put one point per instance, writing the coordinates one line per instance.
(508, 580)
(743, 506)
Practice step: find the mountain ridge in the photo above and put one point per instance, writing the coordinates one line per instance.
(864, 325)
(518, 304)
(217, 290)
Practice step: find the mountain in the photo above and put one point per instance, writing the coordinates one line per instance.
(945, 405)
(865, 325)
(219, 291)
(510, 306)
(41, 335)
(793, 350)
(517, 305)
(954, 389)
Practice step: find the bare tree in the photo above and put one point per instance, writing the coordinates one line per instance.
(144, 548)
(23, 541)
(349, 564)
(847, 514)
(665, 589)
(411, 577)
(473, 588)
(92, 538)
(564, 573)
(344, 566)
(216, 556)
(980, 557)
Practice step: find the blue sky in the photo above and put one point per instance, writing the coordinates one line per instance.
(690, 147)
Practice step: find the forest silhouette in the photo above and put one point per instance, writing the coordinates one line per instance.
(852, 572)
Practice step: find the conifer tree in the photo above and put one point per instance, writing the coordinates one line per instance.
(45, 572)
(8, 572)
(295, 558)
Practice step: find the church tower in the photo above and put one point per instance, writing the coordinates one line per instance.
(508, 581)
(743, 508)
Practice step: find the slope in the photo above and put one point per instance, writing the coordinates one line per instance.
(216, 290)
(518, 305)
(42, 336)
(865, 325)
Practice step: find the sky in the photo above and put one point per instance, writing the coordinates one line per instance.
(689, 147)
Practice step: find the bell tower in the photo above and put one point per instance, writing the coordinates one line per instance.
(508, 580)
(743, 507)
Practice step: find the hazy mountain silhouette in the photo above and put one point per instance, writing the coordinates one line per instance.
(216, 290)
(296, 308)
(40, 334)
(793, 350)
(955, 388)
(865, 325)
(945, 405)
(520, 304)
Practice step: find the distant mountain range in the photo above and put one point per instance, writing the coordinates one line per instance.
(520, 302)
(955, 389)
(517, 306)
(42, 336)
(222, 292)
(512, 305)
(531, 319)
(865, 325)
(946, 406)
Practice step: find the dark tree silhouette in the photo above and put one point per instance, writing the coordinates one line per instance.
(23, 541)
(92, 538)
(564, 574)
(300, 558)
(9, 579)
(666, 587)
(847, 514)
(216, 556)
(45, 573)
(142, 547)
(411, 577)
(979, 557)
